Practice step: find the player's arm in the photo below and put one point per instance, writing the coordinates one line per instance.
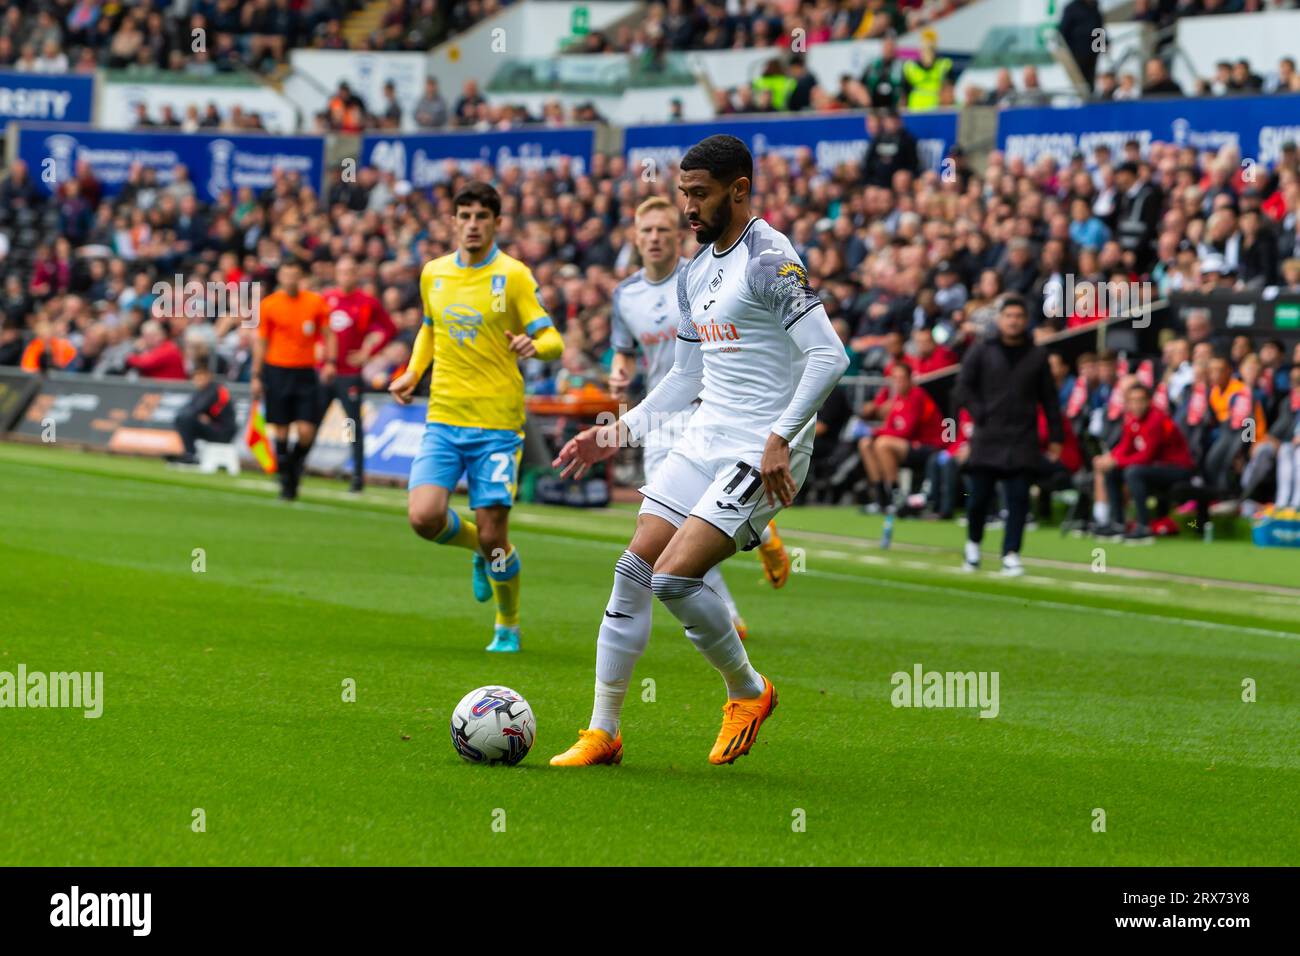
(622, 370)
(382, 331)
(826, 363)
(259, 352)
(540, 339)
(623, 366)
(783, 288)
(402, 387)
(331, 342)
(678, 389)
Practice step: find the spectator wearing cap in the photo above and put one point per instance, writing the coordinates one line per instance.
(1138, 207)
(1217, 274)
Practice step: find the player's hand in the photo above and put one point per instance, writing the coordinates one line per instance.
(402, 387)
(255, 387)
(619, 382)
(327, 372)
(778, 483)
(1054, 451)
(358, 357)
(521, 345)
(595, 444)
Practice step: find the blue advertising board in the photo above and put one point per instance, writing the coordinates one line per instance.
(424, 158)
(393, 435)
(1257, 125)
(215, 162)
(834, 138)
(43, 98)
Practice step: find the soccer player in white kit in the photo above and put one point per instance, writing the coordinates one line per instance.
(645, 317)
(754, 344)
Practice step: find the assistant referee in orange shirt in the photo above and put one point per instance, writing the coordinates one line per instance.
(293, 322)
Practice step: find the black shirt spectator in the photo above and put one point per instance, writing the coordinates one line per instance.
(1081, 26)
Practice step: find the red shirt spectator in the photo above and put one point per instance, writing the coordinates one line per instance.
(1071, 455)
(914, 415)
(357, 317)
(940, 358)
(160, 357)
(1153, 439)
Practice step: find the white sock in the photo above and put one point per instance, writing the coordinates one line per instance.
(1101, 512)
(708, 624)
(972, 553)
(624, 634)
(713, 578)
(764, 538)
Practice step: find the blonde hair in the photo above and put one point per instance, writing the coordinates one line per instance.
(653, 203)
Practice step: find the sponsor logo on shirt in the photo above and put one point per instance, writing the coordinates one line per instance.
(716, 332)
(463, 323)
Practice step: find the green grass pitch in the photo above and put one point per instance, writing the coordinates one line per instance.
(1120, 690)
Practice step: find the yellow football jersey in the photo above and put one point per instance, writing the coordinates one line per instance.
(476, 379)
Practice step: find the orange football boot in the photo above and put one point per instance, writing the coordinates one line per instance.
(740, 722)
(776, 563)
(593, 747)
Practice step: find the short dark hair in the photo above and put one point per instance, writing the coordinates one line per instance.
(723, 157)
(1139, 387)
(1014, 300)
(477, 192)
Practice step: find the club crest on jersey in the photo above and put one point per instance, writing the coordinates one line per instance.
(498, 283)
(463, 323)
(716, 284)
(339, 320)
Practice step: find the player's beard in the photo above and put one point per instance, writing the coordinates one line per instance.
(711, 232)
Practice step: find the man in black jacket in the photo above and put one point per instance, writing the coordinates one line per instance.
(208, 416)
(1137, 220)
(1084, 33)
(1003, 382)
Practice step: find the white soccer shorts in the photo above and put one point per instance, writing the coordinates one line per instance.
(724, 489)
(658, 443)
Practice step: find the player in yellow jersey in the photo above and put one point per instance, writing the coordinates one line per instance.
(482, 314)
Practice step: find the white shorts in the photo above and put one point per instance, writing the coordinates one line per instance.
(657, 444)
(724, 489)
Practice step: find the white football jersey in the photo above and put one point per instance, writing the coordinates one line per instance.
(645, 316)
(740, 306)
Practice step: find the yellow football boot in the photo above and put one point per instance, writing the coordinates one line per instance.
(776, 563)
(740, 722)
(593, 747)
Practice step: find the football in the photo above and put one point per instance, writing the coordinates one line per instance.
(493, 725)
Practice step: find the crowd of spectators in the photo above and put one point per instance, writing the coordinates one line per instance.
(678, 25)
(911, 265)
(205, 38)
